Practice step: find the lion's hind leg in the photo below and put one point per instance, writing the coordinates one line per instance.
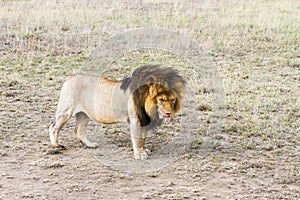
(55, 128)
(81, 122)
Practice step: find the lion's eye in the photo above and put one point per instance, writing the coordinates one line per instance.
(173, 100)
(161, 100)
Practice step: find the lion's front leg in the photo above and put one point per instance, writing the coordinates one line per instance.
(138, 148)
(138, 137)
(137, 132)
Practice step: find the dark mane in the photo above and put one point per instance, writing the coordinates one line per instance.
(165, 76)
(125, 83)
(139, 87)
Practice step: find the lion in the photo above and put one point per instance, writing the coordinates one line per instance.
(143, 100)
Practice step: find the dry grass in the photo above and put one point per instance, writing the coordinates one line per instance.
(253, 44)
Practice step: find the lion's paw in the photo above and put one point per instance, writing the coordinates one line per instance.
(56, 149)
(142, 154)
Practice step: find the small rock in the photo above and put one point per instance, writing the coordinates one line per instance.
(197, 175)
(146, 195)
(2, 154)
(53, 174)
(153, 175)
(27, 195)
(295, 62)
(122, 176)
(35, 178)
(170, 184)
(46, 180)
(107, 180)
(54, 165)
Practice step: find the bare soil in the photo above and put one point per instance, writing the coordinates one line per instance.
(254, 156)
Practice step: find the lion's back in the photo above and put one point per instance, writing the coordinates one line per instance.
(90, 94)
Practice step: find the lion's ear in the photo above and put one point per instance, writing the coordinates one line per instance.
(149, 84)
(152, 89)
(151, 80)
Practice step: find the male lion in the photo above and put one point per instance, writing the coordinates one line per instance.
(151, 94)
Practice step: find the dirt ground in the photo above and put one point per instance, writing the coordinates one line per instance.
(254, 156)
(28, 171)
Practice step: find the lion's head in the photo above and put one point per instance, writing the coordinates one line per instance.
(157, 93)
(161, 101)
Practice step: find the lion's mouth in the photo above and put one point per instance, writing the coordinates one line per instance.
(163, 114)
(167, 115)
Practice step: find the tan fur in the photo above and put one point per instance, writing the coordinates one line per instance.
(142, 102)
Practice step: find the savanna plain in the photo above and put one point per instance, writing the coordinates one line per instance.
(255, 49)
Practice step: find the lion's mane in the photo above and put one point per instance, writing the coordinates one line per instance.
(161, 80)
